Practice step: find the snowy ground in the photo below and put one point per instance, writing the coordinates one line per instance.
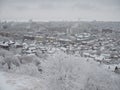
(63, 72)
(20, 82)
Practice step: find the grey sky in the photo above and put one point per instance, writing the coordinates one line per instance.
(46, 10)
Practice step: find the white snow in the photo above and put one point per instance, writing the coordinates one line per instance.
(61, 72)
(3, 84)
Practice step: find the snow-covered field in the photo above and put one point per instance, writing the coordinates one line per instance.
(60, 71)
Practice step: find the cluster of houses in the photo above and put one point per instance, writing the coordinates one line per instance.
(7, 44)
(101, 47)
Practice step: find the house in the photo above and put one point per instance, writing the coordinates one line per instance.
(51, 50)
(28, 37)
(18, 45)
(29, 50)
(63, 49)
(6, 34)
(43, 49)
(51, 39)
(99, 58)
(39, 38)
(64, 41)
(4, 45)
(11, 42)
(85, 54)
(107, 31)
(114, 55)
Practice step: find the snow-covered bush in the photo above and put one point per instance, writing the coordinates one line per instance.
(5, 53)
(28, 65)
(62, 71)
(30, 59)
(1, 61)
(28, 69)
(9, 60)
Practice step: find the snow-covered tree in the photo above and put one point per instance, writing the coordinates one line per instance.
(9, 60)
(28, 69)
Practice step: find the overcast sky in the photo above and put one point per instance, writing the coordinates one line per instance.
(47, 10)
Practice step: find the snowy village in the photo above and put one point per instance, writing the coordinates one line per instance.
(60, 55)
